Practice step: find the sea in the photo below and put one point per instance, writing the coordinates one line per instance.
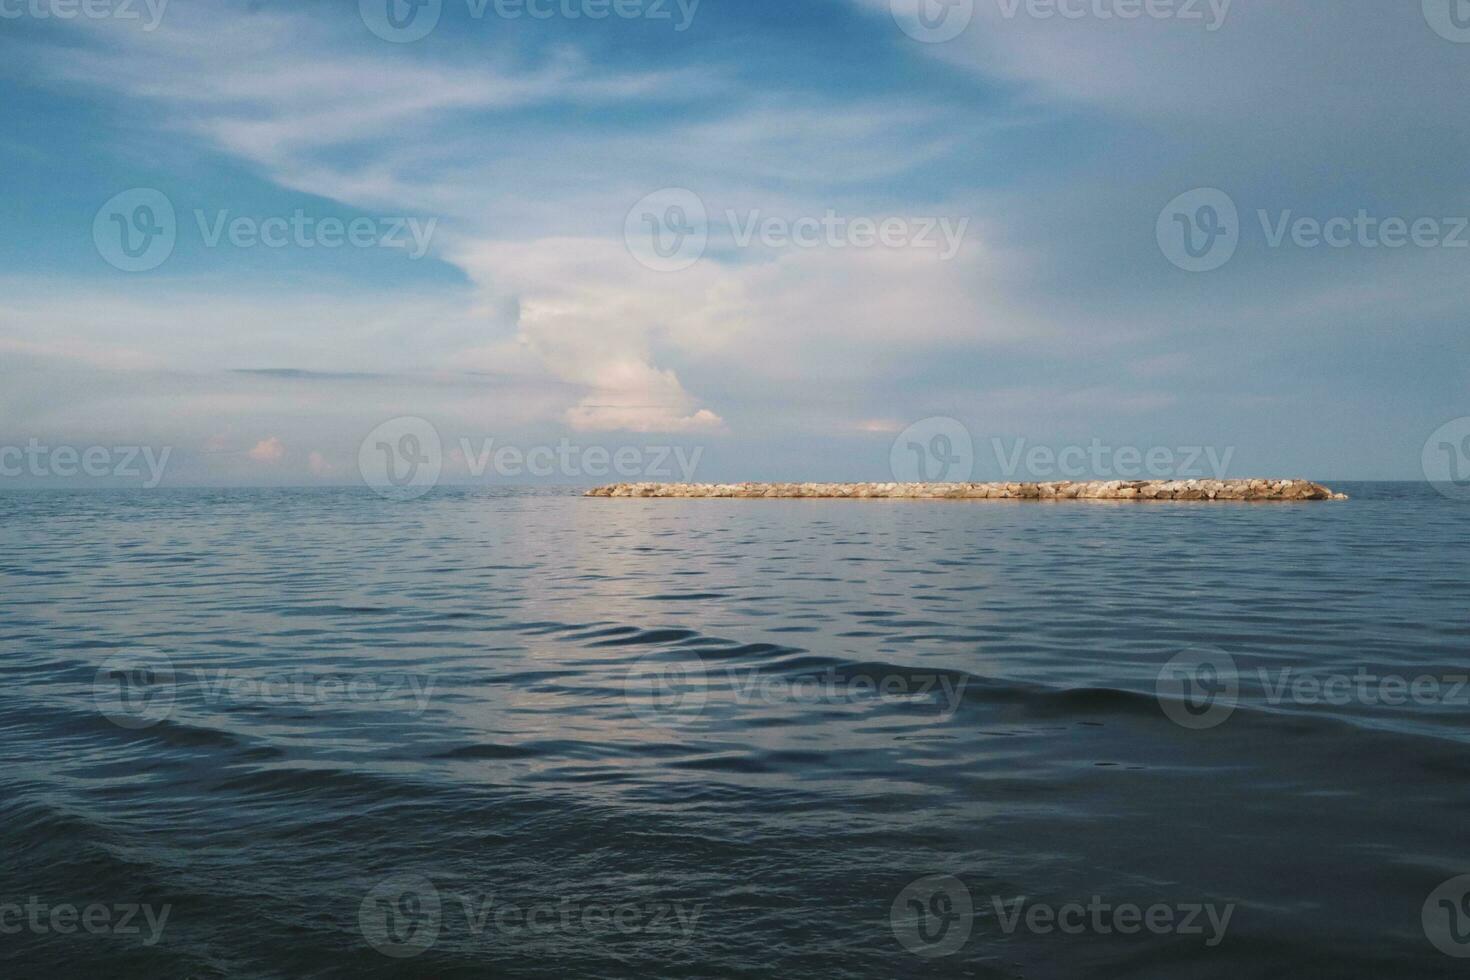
(281, 733)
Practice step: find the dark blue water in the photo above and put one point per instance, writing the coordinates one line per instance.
(320, 734)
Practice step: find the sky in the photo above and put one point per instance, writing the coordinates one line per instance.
(791, 240)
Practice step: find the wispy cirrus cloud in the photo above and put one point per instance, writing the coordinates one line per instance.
(1059, 140)
(291, 96)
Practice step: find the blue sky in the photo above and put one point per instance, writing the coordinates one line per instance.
(519, 146)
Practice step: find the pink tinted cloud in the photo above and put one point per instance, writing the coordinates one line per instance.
(269, 450)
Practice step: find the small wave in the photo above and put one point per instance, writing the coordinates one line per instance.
(685, 596)
(649, 637)
(489, 752)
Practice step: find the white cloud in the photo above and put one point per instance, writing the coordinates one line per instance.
(279, 91)
(268, 450)
(597, 318)
(319, 465)
(1331, 65)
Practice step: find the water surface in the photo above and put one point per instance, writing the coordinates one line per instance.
(722, 737)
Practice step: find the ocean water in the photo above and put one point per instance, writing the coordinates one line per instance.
(277, 733)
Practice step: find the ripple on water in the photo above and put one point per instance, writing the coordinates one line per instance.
(519, 695)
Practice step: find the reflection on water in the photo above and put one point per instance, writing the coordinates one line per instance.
(546, 735)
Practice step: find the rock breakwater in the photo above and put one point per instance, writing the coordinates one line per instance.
(1242, 490)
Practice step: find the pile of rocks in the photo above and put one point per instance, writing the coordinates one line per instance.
(1110, 490)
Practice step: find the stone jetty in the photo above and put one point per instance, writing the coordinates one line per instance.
(1135, 490)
